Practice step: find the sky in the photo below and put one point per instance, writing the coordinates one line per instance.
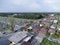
(29, 5)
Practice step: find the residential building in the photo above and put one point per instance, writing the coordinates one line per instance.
(55, 21)
(26, 43)
(17, 37)
(58, 26)
(51, 31)
(43, 31)
(53, 26)
(46, 23)
(30, 27)
(36, 30)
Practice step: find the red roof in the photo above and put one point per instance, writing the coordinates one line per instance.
(24, 27)
(26, 43)
(51, 31)
(36, 30)
(43, 31)
(46, 23)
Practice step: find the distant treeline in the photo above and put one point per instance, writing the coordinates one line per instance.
(5, 14)
(30, 16)
(25, 15)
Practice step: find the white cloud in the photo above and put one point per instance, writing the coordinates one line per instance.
(48, 1)
(55, 8)
(26, 4)
(34, 6)
(16, 2)
(30, 5)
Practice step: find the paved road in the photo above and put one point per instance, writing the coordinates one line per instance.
(53, 40)
(4, 40)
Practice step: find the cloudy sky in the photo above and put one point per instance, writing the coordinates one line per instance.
(29, 5)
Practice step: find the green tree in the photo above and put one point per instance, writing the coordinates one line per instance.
(12, 23)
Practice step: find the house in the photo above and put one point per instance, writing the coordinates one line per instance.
(35, 23)
(58, 26)
(43, 31)
(39, 38)
(3, 25)
(35, 42)
(53, 18)
(41, 25)
(44, 19)
(30, 27)
(17, 37)
(26, 43)
(27, 38)
(46, 23)
(36, 29)
(51, 31)
(53, 26)
(51, 14)
(25, 27)
(55, 21)
(17, 27)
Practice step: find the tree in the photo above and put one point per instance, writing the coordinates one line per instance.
(12, 23)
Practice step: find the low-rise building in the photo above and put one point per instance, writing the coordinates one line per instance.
(39, 38)
(17, 37)
(53, 26)
(43, 31)
(55, 21)
(41, 25)
(51, 31)
(17, 27)
(26, 43)
(46, 23)
(58, 26)
(36, 30)
(30, 27)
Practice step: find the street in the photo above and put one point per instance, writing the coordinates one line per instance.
(4, 40)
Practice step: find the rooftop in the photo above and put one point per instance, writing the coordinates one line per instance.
(18, 36)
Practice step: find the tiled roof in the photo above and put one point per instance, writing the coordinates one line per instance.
(43, 31)
(26, 43)
(51, 31)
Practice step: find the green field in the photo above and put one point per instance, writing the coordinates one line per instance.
(47, 42)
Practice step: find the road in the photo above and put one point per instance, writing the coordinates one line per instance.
(4, 40)
(53, 40)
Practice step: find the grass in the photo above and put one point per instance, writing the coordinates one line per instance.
(47, 42)
(56, 35)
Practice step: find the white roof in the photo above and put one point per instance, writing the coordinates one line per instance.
(41, 24)
(55, 21)
(53, 26)
(44, 19)
(16, 27)
(30, 27)
(27, 39)
(58, 28)
(18, 36)
(52, 14)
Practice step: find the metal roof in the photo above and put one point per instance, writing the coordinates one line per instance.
(18, 36)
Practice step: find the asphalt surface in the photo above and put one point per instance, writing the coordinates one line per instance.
(4, 40)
